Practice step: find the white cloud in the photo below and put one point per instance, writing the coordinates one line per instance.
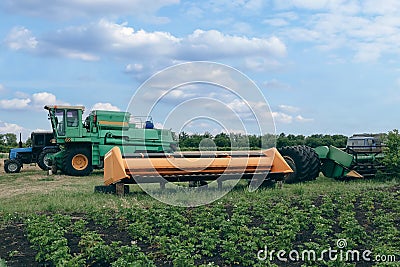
(10, 127)
(34, 101)
(215, 44)
(2, 88)
(135, 67)
(39, 100)
(276, 22)
(260, 64)
(90, 42)
(105, 106)
(300, 118)
(15, 103)
(281, 117)
(16, 129)
(66, 9)
(289, 109)
(276, 85)
(370, 29)
(81, 56)
(20, 38)
(377, 7)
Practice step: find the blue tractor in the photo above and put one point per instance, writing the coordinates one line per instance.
(42, 147)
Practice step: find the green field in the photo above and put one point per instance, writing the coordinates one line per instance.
(59, 221)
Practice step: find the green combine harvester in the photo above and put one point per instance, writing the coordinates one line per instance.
(361, 158)
(84, 143)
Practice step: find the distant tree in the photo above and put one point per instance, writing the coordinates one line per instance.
(222, 140)
(392, 152)
(7, 141)
(339, 140)
(28, 142)
(10, 139)
(268, 141)
(254, 141)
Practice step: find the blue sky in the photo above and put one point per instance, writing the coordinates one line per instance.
(329, 66)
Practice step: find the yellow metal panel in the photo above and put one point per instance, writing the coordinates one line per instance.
(279, 164)
(114, 168)
(118, 123)
(354, 174)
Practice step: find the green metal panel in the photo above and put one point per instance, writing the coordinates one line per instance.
(335, 162)
(103, 115)
(322, 151)
(95, 154)
(340, 156)
(332, 169)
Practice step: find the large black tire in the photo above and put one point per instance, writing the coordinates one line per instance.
(43, 160)
(291, 178)
(77, 161)
(315, 163)
(300, 157)
(12, 166)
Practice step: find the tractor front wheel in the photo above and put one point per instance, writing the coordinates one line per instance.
(78, 162)
(12, 166)
(44, 158)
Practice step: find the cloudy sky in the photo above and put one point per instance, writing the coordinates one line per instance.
(329, 66)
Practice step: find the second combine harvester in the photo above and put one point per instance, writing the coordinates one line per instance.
(148, 154)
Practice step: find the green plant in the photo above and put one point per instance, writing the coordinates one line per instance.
(392, 152)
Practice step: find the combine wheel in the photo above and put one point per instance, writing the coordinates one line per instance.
(44, 158)
(293, 176)
(12, 166)
(77, 161)
(300, 157)
(315, 163)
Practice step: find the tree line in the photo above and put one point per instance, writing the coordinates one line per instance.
(223, 141)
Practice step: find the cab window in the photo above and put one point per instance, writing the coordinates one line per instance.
(72, 118)
(60, 121)
(39, 140)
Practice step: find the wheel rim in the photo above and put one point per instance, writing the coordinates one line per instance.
(12, 167)
(80, 162)
(46, 160)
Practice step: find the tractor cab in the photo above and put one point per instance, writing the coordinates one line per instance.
(364, 143)
(66, 121)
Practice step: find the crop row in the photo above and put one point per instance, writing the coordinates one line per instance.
(228, 233)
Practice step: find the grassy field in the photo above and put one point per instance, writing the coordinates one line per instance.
(59, 221)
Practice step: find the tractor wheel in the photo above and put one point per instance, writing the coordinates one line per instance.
(301, 160)
(315, 163)
(12, 166)
(292, 178)
(77, 161)
(43, 159)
